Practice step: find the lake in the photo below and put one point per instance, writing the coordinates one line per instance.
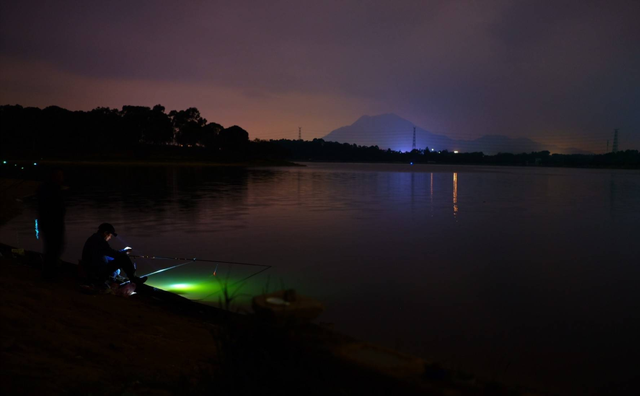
(524, 275)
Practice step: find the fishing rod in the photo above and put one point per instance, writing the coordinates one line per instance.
(197, 259)
(169, 268)
(194, 259)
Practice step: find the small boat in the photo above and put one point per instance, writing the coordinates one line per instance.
(286, 307)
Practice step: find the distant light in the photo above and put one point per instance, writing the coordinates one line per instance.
(412, 163)
(433, 149)
(22, 167)
(455, 151)
(4, 162)
(35, 164)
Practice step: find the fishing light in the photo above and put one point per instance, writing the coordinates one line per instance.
(4, 162)
(180, 286)
(37, 230)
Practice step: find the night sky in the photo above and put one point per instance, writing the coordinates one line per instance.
(559, 72)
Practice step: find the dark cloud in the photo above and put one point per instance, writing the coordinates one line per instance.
(524, 68)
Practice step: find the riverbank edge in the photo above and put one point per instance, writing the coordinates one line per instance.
(348, 364)
(167, 162)
(333, 355)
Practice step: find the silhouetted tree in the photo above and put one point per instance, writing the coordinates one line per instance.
(160, 129)
(233, 138)
(187, 124)
(135, 124)
(136, 131)
(57, 129)
(190, 134)
(211, 136)
(11, 124)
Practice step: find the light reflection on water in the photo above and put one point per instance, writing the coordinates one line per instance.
(455, 194)
(515, 274)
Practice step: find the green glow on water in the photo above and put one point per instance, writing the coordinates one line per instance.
(193, 288)
(180, 286)
(209, 289)
(197, 282)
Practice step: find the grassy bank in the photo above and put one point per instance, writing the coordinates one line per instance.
(57, 340)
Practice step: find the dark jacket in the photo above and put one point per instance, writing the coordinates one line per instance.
(96, 253)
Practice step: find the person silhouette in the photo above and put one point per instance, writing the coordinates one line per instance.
(51, 213)
(101, 263)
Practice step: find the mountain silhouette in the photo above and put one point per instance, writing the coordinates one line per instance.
(390, 131)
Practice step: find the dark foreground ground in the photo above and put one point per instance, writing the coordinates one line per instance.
(57, 340)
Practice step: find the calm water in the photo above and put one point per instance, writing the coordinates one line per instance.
(524, 275)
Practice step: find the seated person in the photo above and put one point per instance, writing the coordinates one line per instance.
(101, 263)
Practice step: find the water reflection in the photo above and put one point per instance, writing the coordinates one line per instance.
(455, 195)
(413, 193)
(612, 196)
(361, 239)
(431, 194)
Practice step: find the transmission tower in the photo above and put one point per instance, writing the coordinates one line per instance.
(299, 133)
(413, 147)
(615, 141)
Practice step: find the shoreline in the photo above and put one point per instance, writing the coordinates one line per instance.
(291, 163)
(12, 192)
(58, 340)
(54, 325)
(479, 164)
(167, 162)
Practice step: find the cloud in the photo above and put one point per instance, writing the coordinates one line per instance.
(263, 115)
(465, 68)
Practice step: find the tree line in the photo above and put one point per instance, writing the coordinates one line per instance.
(138, 132)
(58, 132)
(320, 150)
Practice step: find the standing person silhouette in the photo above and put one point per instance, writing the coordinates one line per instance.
(51, 212)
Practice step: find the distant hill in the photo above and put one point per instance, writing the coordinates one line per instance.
(394, 132)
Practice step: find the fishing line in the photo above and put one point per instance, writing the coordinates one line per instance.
(166, 269)
(197, 259)
(194, 259)
(235, 283)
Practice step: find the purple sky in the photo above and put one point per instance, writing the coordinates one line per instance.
(559, 72)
